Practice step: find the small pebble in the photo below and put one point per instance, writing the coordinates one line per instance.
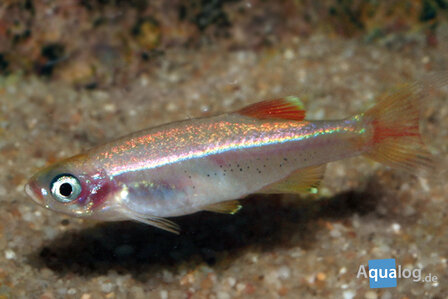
(396, 228)
(254, 259)
(223, 295)
(321, 276)
(335, 233)
(240, 287)
(111, 108)
(46, 295)
(137, 292)
(283, 272)
(289, 54)
(349, 294)
(49, 232)
(106, 287)
(232, 281)
(10, 254)
(424, 184)
(144, 81)
(386, 295)
(3, 191)
(168, 276)
(163, 294)
(371, 295)
(171, 107)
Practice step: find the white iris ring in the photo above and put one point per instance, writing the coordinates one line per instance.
(74, 187)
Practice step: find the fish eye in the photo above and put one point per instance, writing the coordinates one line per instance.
(65, 188)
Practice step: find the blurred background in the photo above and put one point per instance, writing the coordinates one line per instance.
(78, 73)
(101, 43)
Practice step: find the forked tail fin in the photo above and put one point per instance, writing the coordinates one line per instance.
(396, 140)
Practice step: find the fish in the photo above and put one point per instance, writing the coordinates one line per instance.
(209, 163)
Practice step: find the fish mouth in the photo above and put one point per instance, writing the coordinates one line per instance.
(33, 191)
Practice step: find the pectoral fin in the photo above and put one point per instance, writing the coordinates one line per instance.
(304, 180)
(159, 222)
(225, 207)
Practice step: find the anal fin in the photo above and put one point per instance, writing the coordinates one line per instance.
(225, 207)
(305, 180)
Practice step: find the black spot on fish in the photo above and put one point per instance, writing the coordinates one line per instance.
(208, 175)
(241, 169)
(285, 159)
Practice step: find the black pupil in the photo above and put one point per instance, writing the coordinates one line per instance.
(65, 189)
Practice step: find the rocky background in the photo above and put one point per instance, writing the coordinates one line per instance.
(74, 74)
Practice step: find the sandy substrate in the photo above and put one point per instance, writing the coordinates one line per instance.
(277, 246)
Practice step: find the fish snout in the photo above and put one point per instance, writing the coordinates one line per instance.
(35, 192)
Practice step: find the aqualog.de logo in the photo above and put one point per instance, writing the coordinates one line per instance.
(384, 274)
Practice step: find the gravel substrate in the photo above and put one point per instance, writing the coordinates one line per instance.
(276, 246)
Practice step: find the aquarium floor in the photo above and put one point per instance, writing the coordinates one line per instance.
(276, 246)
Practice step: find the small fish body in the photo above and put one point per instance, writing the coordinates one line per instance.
(208, 163)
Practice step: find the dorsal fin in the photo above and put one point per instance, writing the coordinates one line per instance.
(305, 180)
(288, 108)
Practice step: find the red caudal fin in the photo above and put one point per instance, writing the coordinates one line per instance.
(396, 140)
(288, 108)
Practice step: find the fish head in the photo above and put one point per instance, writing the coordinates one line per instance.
(73, 187)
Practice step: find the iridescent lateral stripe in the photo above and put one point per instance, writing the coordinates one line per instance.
(266, 134)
